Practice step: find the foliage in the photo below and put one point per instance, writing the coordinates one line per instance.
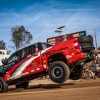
(2, 44)
(20, 37)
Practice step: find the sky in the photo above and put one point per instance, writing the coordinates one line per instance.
(42, 17)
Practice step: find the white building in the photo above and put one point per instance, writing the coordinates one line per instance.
(3, 54)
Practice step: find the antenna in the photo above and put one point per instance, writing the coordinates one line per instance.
(95, 37)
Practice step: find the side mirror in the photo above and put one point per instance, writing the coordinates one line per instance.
(5, 61)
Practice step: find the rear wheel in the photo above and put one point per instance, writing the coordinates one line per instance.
(22, 85)
(76, 73)
(3, 85)
(59, 72)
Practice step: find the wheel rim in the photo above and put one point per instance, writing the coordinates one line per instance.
(57, 72)
(0, 86)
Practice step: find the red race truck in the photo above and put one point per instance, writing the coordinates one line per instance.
(61, 62)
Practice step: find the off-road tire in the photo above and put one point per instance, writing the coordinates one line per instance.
(85, 39)
(3, 85)
(59, 72)
(76, 73)
(86, 46)
(91, 38)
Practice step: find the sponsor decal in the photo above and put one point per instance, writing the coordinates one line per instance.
(37, 69)
(68, 56)
(19, 70)
(34, 64)
(51, 40)
(76, 35)
(32, 71)
(54, 51)
(83, 33)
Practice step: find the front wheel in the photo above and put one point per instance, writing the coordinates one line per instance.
(3, 85)
(59, 72)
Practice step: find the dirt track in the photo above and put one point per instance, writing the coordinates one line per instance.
(47, 90)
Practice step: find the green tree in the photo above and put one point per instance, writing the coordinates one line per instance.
(20, 36)
(2, 45)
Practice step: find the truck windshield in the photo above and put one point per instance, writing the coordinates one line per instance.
(13, 57)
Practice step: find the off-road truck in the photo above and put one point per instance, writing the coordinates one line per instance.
(60, 62)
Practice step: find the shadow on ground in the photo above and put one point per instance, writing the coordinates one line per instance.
(49, 86)
(41, 86)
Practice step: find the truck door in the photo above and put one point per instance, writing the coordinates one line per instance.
(34, 62)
